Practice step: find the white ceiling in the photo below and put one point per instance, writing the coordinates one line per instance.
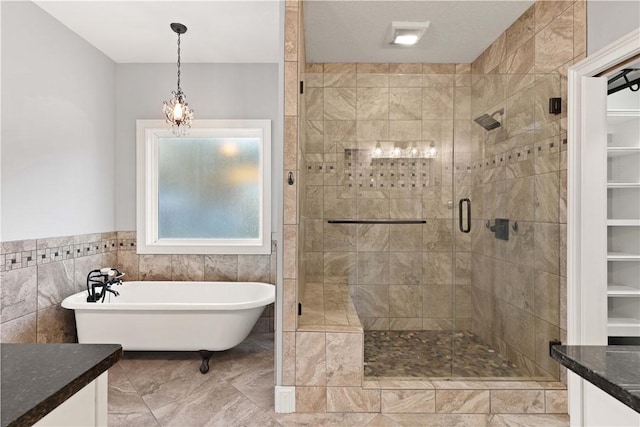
(243, 31)
(356, 30)
(233, 31)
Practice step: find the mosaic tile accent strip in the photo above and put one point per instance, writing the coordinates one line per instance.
(16, 260)
(432, 354)
(359, 169)
(518, 154)
(127, 244)
(18, 254)
(61, 253)
(13, 260)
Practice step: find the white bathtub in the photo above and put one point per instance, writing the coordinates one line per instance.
(181, 316)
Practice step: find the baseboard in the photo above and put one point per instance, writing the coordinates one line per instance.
(285, 399)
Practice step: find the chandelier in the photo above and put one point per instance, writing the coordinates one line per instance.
(178, 113)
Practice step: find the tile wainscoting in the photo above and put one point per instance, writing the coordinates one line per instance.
(38, 274)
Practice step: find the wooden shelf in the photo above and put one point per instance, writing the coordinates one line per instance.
(623, 222)
(615, 290)
(621, 256)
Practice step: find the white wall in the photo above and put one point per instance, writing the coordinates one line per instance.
(608, 20)
(214, 91)
(68, 114)
(58, 115)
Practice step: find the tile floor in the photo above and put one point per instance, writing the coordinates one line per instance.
(166, 389)
(433, 354)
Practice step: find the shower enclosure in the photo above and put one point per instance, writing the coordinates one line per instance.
(433, 194)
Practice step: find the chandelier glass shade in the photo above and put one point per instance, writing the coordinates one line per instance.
(177, 111)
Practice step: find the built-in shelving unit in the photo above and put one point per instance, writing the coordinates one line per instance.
(623, 223)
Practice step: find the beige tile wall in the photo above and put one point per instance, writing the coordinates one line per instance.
(399, 276)
(517, 171)
(520, 173)
(36, 275)
(294, 267)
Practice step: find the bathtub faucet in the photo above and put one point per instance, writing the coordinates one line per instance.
(99, 282)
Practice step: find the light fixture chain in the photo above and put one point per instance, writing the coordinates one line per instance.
(179, 91)
(177, 112)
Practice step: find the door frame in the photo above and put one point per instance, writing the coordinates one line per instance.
(586, 305)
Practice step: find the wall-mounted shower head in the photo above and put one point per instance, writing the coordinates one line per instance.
(487, 121)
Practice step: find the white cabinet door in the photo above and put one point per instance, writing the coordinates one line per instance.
(600, 409)
(86, 408)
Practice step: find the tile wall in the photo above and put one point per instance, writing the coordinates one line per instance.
(400, 276)
(294, 53)
(513, 294)
(520, 173)
(37, 275)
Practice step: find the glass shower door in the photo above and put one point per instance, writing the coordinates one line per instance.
(510, 161)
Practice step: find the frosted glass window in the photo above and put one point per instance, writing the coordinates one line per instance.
(205, 193)
(208, 188)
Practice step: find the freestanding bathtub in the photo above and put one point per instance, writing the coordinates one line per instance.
(167, 316)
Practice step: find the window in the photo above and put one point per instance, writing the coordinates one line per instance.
(207, 192)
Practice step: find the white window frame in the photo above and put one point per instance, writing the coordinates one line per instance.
(148, 134)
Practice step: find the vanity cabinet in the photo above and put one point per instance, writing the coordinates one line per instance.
(55, 384)
(623, 220)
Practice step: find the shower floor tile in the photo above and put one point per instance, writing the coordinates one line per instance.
(433, 354)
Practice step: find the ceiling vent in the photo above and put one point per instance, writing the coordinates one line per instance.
(405, 33)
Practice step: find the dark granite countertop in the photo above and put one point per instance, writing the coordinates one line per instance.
(37, 378)
(614, 369)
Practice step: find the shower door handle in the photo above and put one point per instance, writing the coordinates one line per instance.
(460, 203)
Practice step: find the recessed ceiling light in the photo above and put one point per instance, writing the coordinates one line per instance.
(405, 39)
(407, 33)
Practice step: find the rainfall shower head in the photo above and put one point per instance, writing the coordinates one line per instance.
(488, 122)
